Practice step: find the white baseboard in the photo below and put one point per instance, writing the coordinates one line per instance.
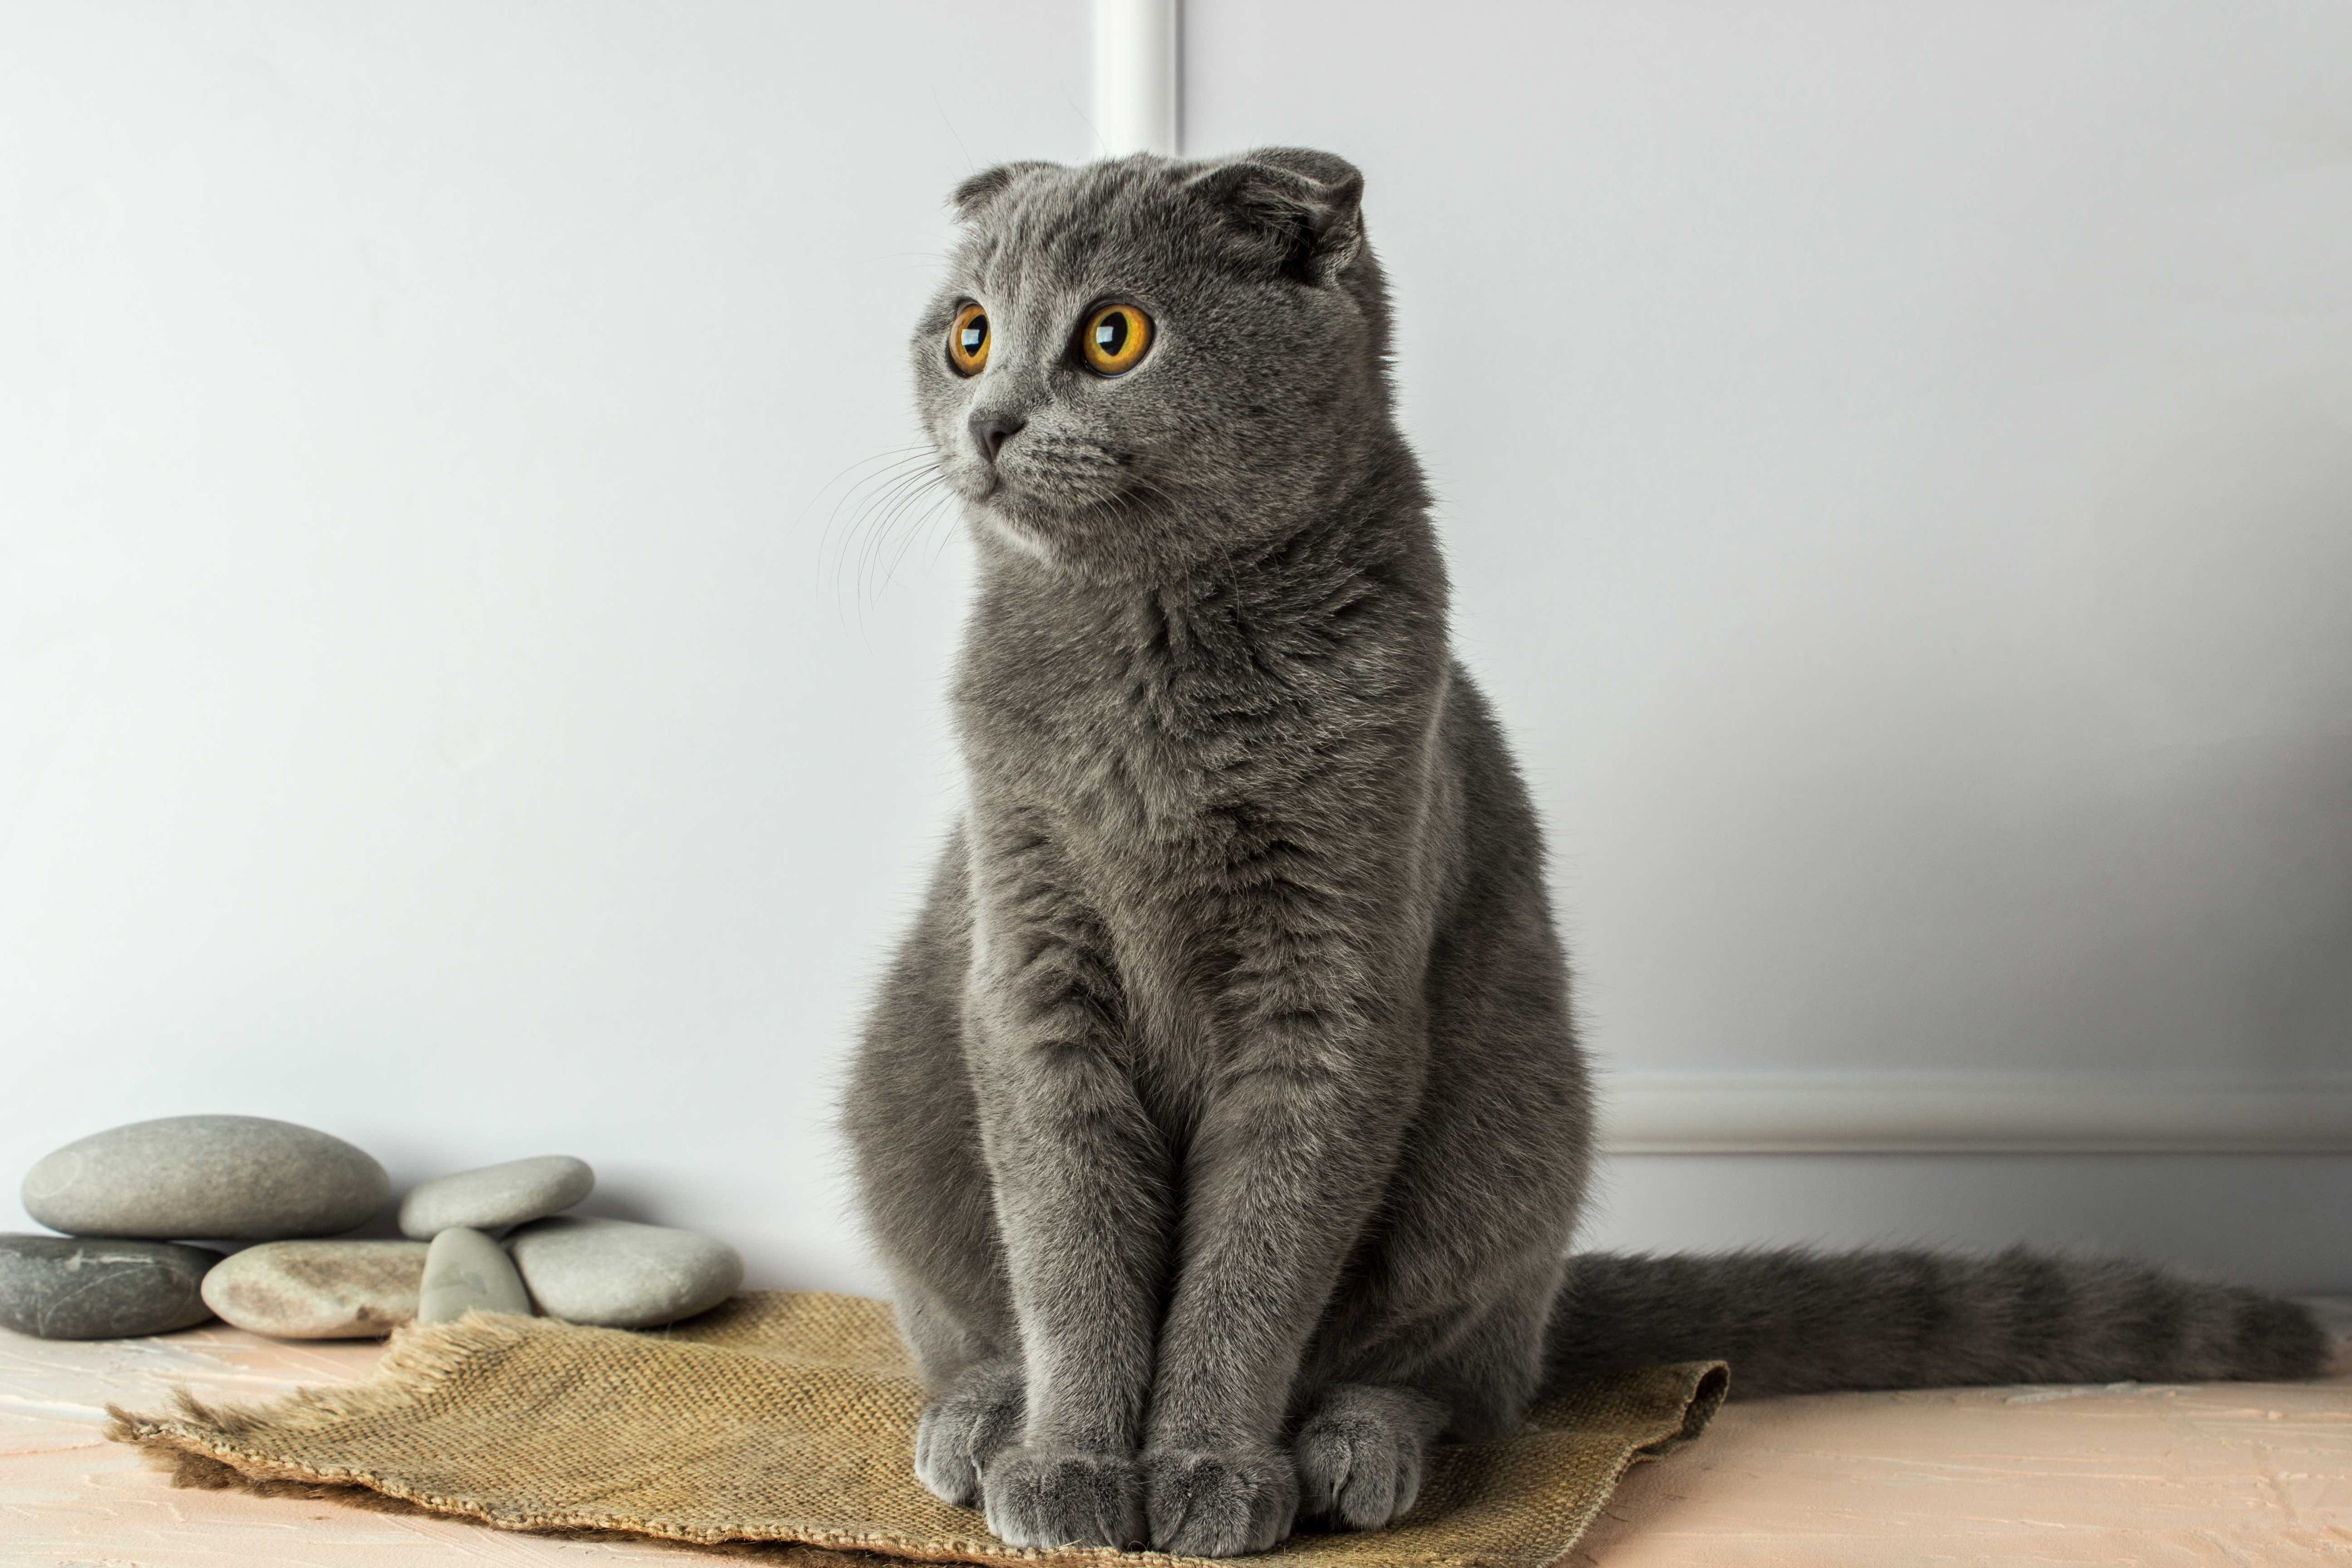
(1872, 1113)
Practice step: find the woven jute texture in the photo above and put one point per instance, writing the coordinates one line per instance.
(790, 1416)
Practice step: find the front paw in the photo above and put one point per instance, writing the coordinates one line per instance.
(1219, 1503)
(1064, 1497)
(965, 1427)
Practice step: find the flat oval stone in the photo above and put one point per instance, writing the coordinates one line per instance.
(320, 1290)
(466, 1271)
(232, 1178)
(622, 1274)
(496, 1196)
(63, 1287)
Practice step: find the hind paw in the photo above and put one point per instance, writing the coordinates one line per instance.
(977, 1415)
(1361, 1455)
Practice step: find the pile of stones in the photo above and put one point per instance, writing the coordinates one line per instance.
(130, 1199)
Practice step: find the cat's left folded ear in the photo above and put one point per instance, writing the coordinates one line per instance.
(975, 195)
(1298, 210)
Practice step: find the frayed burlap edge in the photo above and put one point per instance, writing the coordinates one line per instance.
(191, 1471)
(415, 1355)
(418, 1355)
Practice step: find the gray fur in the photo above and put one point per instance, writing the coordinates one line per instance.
(1222, 1119)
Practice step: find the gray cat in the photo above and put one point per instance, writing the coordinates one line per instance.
(1222, 1119)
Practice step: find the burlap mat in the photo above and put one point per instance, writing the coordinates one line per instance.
(789, 1416)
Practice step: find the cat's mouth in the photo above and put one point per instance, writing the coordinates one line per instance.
(1053, 485)
(1060, 524)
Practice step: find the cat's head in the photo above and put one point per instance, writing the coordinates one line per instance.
(1137, 366)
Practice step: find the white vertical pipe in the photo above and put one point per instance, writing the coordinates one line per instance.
(1134, 75)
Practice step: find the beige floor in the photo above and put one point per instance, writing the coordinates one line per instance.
(2227, 1474)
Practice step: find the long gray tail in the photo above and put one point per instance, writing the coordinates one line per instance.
(1800, 1321)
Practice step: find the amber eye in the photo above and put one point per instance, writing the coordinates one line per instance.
(1114, 338)
(967, 341)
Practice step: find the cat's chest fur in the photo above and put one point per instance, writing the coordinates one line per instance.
(1174, 770)
(1148, 729)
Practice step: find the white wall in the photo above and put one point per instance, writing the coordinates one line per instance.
(1898, 464)
(1897, 460)
(435, 710)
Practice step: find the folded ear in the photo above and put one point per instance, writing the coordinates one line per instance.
(1297, 210)
(972, 197)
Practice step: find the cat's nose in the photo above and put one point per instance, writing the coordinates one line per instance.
(991, 431)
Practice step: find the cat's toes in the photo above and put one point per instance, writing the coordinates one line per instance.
(1219, 1504)
(1061, 1497)
(963, 1429)
(1360, 1458)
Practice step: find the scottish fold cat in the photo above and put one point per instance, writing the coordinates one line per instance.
(1222, 1119)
